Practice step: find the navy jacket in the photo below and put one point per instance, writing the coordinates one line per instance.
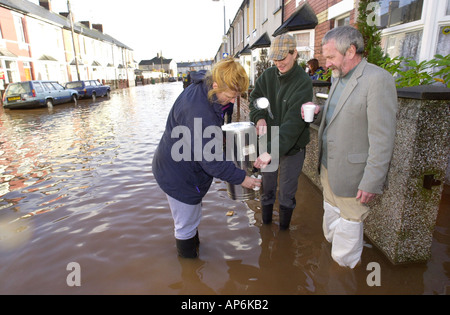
(190, 178)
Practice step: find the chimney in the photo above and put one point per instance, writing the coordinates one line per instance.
(86, 23)
(98, 27)
(45, 4)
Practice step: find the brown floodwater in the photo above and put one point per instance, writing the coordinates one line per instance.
(80, 213)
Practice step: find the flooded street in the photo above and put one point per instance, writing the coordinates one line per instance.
(76, 186)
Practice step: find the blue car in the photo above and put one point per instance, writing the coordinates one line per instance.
(89, 88)
(29, 94)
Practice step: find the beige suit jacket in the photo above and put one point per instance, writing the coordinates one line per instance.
(361, 132)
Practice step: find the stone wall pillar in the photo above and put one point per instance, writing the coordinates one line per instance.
(402, 220)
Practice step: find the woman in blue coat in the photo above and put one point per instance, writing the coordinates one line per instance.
(185, 161)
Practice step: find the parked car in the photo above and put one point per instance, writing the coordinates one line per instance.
(29, 94)
(89, 88)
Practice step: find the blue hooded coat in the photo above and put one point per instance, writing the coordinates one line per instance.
(188, 179)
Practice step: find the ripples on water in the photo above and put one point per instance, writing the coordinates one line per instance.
(76, 186)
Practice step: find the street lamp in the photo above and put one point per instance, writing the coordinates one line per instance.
(73, 39)
(224, 37)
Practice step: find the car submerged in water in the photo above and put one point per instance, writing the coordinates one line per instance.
(31, 94)
(89, 88)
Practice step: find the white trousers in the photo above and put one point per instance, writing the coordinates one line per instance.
(186, 218)
(342, 224)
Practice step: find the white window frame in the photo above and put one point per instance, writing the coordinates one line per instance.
(341, 17)
(433, 17)
(309, 48)
(14, 70)
(20, 32)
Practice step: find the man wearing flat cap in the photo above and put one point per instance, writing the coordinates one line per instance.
(287, 87)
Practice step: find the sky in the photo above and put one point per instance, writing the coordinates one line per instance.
(184, 30)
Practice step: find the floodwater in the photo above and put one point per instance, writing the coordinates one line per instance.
(80, 213)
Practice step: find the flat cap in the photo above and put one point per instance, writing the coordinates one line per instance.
(281, 46)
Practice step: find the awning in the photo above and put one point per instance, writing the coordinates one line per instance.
(245, 51)
(47, 58)
(303, 18)
(4, 52)
(263, 41)
(74, 62)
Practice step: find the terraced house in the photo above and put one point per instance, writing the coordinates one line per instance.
(38, 44)
(409, 28)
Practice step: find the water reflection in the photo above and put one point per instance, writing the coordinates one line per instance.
(76, 186)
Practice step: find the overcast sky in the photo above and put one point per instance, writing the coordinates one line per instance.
(184, 30)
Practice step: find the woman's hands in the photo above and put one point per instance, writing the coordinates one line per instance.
(261, 162)
(251, 182)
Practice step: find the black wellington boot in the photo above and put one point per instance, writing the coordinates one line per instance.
(267, 211)
(285, 217)
(187, 248)
(197, 240)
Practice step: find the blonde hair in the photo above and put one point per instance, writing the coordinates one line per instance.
(228, 75)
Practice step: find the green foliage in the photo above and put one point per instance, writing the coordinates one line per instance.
(326, 76)
(409, 72)
(443, 65)
(262, 64)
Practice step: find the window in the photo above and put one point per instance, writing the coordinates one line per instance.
(12, 72)
(19, 29)
(448, 7)
(399, 12)
(305, 44)
(248, 20)
(277, 5)
(443, 45)
(73, 85)
(342, 21)
(57, 86)
(254, 14)
(18, 88)
(38, 87)
(265, 15)
(48, 86)
(405, 44)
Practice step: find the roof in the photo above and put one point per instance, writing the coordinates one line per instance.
(155, 61)
(34, 10)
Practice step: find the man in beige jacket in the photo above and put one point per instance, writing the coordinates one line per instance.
(356, 140)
